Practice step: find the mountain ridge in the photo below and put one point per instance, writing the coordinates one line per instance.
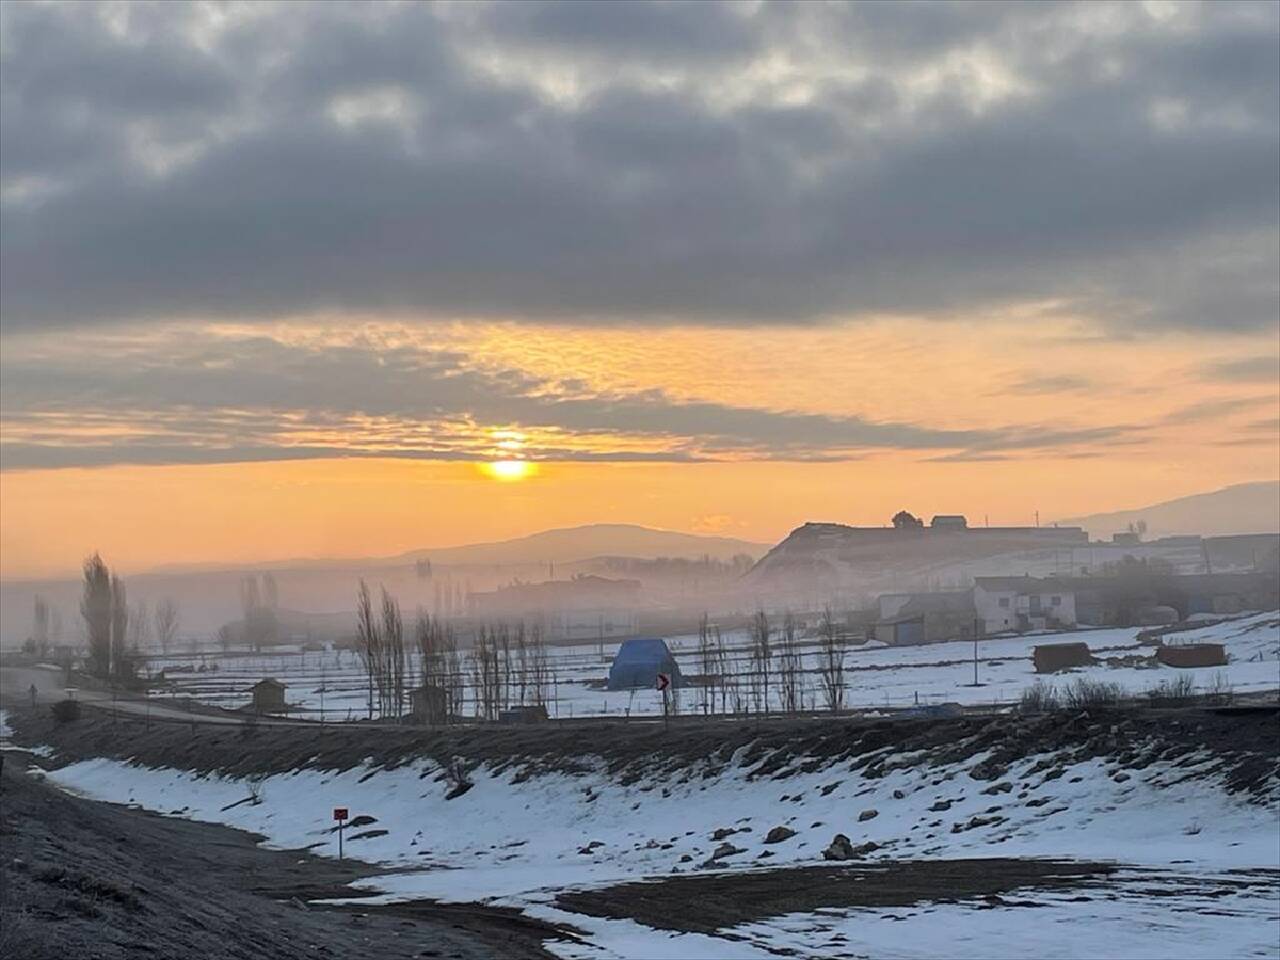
(554, 545)
(1252, 507)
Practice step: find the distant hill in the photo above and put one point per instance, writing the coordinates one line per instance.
(563, 545)
(1242, 508)
(594, 540)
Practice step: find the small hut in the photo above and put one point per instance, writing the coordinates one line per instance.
(268, 696)
(1052, 657)
(1192, 655)
(429, 704)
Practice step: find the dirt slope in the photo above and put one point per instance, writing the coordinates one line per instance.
(80, 879)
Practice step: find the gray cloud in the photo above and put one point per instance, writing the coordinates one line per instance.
(1244, 370)
(1064, 383)
(199, 400)
(628, 162)
(1213, 409)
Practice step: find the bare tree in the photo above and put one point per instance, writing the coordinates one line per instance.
(139, 626)
(95, 607)
(522, 663)
(270, 593)
(539, 666)
(730, 685)
(500, 638)
(427, 639)
(486, 672)
(761, 659)
(166, 623)
(710, 664)
(55, 625)
(392, 685)
(369, 632)
(40, 627)
(261, 622)
(454, 680)
(831, 660)
(121, 661)
(789, 673)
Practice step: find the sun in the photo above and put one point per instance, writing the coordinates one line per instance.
(509, 469)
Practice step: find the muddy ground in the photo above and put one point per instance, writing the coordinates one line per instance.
(707, 904)
(1245, 743)
(716, 903)
(82, 879)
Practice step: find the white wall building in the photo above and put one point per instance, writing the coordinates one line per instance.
(1023, 603)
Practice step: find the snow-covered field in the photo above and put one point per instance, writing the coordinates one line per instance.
(1199, 865)
(331, 684)
(1199, 877)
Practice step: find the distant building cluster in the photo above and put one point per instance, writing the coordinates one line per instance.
(997, 605)
(581, 608)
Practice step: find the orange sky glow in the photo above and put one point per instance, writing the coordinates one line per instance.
(924, 372)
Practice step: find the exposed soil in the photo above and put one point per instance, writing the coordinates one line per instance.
(714, 902)
(85, 879)
(1246, 744)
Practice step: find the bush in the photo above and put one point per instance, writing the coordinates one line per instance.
(1220, 688)
(1039, 698)
(66, 711)
(1086, 693)
(1170, 693)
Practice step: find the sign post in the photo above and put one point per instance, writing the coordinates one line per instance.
(664, 684)
(340, 814)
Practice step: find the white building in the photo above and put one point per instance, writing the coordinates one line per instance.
(1023, 603)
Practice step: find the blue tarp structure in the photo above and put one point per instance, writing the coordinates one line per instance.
(639, 662)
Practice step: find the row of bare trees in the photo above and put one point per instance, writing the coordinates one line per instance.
(381, 649)
(506, 666)
(116, 632)
(775, 666)
(509, 667)
(438, 661)
(104, 606)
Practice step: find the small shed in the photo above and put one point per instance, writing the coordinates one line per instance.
(1052, 657)
(1192, 655)
(638, 663)
(429, 704)
(268, 696)
(535, 713)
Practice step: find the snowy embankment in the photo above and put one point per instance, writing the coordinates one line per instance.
(1189, 800)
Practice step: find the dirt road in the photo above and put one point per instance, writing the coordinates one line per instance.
(50, 687)
(93, 880)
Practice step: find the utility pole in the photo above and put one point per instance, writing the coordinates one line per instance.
(976, 627)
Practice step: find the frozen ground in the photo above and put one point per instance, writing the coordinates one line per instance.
(1193, 828)
(330, 684)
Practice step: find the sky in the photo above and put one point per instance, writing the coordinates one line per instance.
(289, 280)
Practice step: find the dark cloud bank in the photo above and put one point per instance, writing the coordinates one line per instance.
(627, 162)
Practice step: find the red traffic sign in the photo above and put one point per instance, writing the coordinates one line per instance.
(664, 681)
(340, 813)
